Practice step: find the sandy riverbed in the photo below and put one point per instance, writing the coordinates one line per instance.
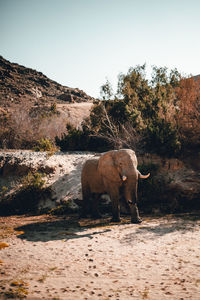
(65, 258)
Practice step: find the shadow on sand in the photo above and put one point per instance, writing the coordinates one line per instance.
(164, 225)
(62, 228)
(71, 227)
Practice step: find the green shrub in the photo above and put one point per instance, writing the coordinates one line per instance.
(44, 145)
(65, 208)
(3, 191)
(33, 181)
(81, 140)
(150, 107)
(53, 108)
(26, 200)
(153, 193)
(162, 138)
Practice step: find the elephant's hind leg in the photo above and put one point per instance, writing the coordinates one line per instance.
(114, 195)
(86, 202)
(95, 206)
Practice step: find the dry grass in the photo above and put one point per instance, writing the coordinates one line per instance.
(189, 109)
(16, 289)
(37, 124)
(3, 245)
(43, 278)
(5, 231)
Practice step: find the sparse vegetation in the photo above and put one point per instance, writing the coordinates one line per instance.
(28, 106)
(18, 290)
(145, 293)
(33, 181)
(45, 145)
(25, 126)
(150, 116)
(5, 231)
(153, 194)
(3, 245)
(65, 208)
(26, 199)
(3, 191)
(42, 278)
(161, 114)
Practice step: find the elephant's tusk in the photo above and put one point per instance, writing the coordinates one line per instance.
(143, 176)
(124, 178)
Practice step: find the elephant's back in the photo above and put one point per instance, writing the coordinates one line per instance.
(89, 168)
(90, 176)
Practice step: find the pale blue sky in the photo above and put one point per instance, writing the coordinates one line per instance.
(80, 43)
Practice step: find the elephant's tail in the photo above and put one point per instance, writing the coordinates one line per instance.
(143, 176)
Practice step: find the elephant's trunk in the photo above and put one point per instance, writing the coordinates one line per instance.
(130, 190)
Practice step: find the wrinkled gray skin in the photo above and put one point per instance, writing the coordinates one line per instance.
(114, 173)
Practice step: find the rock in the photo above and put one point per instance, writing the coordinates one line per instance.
(36, 92)
(66, 97)
(47, 169)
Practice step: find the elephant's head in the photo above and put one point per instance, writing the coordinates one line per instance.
(120, 166)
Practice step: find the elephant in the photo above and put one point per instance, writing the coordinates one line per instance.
(114, 173)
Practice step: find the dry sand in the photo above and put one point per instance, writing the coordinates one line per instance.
(65, 258)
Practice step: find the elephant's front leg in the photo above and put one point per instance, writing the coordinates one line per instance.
(135, 217)
(114, 195)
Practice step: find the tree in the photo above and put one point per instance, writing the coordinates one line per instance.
(106, 90)
(188, 107)
(149, 107)
(160, 114)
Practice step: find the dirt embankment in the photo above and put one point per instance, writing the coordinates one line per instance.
(62, 173)
(75, 113)
(63, 176)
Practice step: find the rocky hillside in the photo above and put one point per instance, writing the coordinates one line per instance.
(43, 106)
(17, 82)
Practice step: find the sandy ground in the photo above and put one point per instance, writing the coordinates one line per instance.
(50, 257)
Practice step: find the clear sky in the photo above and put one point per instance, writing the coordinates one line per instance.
(80, 43)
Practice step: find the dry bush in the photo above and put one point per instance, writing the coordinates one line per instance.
(188, 118)
(120, 135)
(52, 127)
(25, 126)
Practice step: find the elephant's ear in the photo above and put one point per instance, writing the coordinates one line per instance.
(107, 167)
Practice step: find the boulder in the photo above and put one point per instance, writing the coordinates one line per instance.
(66, 97)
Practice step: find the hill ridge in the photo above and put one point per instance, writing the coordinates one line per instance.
(17, 81)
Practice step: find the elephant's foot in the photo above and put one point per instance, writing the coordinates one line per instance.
(115, 220)
(136, 221)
